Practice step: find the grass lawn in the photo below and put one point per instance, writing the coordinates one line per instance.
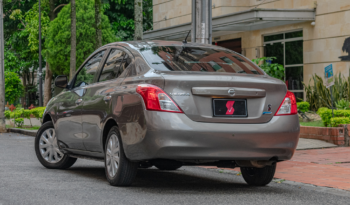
(312, 123)
(25, 127)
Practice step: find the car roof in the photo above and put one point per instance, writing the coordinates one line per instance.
(137, 45)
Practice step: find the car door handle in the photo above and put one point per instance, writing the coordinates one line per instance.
(107, 98)
(77, 102)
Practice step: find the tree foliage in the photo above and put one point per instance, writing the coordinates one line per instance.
(58, 36)
(13, 87)
(121, 14)
(19, 57)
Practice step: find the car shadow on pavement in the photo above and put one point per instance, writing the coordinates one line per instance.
(182, 180)
(89, 172)
(176, 182)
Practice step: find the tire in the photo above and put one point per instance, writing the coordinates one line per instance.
(47, 151)
(168, 167)
(119, 170)
(258, 176)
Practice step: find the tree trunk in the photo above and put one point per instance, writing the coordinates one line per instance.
(47, 85)
(73, 40)
(52, 8)
(98, 8)
(138, 20)
(48, 73)
(24, 81)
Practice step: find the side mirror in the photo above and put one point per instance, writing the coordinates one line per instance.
(61, 81)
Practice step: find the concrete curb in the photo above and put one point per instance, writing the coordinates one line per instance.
(23, 131)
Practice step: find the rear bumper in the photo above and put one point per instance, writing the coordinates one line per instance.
(175, 136)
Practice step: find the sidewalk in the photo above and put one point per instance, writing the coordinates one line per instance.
(321, 167)
(328, 167)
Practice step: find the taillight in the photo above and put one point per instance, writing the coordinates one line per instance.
(288, 106)
(156, 99)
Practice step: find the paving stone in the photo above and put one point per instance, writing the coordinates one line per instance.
(313, 144)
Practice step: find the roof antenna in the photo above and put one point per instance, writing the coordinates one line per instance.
(185, 41)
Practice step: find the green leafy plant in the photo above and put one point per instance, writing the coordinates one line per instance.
(13, 87)
(272, 69)
(38, 112)
(326, 115)
(318, 95)
(26, 114)
(19, 122)
(321, 109)
(343, 104)
(303, 106)
(17, 113)
(336, 121)
(7, 114)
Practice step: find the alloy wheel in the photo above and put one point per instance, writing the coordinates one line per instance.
(48, 146)
(112, 155)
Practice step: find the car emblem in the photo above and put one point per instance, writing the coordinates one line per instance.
(269, 107)
(231, 91)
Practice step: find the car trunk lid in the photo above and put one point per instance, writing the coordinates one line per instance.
(194, 93)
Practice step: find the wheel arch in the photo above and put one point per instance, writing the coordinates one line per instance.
(47, 117)
(107, 126)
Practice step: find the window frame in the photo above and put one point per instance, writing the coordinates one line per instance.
(72, 82)
(121, 48)
(105, 61)
(283, 41)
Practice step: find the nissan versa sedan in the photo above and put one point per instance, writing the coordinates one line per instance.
(169, 104)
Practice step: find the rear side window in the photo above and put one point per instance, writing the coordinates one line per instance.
(111, 68)
(126, 62)
(183, 58)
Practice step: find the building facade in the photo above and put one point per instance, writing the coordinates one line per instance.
(304, 35)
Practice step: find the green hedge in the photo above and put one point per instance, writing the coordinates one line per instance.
(18, 113)
(38, 112)
(303, 106)
(326, 116)
(339, 121)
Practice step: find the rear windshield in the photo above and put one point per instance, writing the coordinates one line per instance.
(183, 58)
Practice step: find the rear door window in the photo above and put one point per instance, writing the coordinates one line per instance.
(201, 59)
(111, 68)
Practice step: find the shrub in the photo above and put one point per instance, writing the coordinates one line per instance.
(321, 109)
(272, 69)
(339, 121)
(38, 112)
(26, 114)
(318, 95)
(13, 87)
(326, 115)
(19, 122)
(303, 106)
(17, 113)
(343, 104)
(7, 114)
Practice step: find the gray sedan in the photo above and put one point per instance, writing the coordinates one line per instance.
(169, 104)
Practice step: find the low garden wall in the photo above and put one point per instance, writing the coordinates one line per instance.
(336, 135)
